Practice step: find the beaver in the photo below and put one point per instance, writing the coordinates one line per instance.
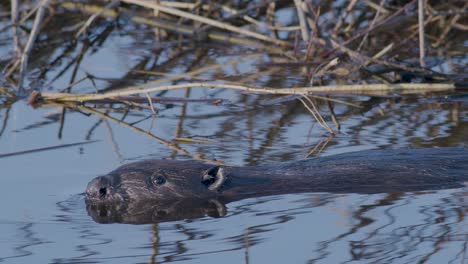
(166, 186)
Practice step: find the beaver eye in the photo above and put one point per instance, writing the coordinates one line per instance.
(159, 180)
(102, 192)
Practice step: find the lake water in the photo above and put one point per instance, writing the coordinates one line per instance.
(44, 217)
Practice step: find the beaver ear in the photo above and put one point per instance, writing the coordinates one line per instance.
(214, 178)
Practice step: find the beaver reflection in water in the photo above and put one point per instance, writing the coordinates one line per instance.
(172, 187)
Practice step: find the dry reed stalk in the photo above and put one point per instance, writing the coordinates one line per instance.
(378, 8)
(364, 58)
(262, 24)
(207, 21)
(29, 45)
(302, 20)
(91, 19)
(191, 74)
(14, 22)
(232, 11)
(323, 68)
(312, 18)
(377, 25)
(348, 9)
(350, 89)
(69, 86)
(377, 14)
(379, 54)
(312, 21)
(422, 45)
(315, 113)
(448, 27)
(174, 27)
(460, 27)
(29, 15)
(182, 5)
(229, 10)
(150, 102)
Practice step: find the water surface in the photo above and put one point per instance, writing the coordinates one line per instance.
(44, 218)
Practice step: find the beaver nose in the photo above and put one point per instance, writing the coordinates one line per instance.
(98, 188)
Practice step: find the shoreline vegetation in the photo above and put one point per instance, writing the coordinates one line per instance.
(355, 48)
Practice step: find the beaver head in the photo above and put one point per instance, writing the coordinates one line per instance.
(159, 180)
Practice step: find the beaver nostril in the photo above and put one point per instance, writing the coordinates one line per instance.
(103, 192)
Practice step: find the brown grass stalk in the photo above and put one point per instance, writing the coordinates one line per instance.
(350, 89)
(29, 45)
(422, 45)
(207, 21)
